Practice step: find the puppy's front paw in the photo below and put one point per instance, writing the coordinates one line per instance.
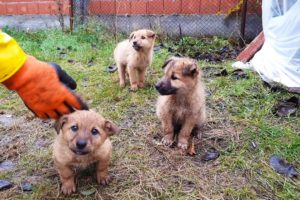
(104, 180)
(141, 85)
(68, 187)
(182, 143)
(133, 88)
(167, 140)
(122, 84)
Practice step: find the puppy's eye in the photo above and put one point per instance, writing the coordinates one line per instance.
(173, 77)
(74, 128)
(143, 37)
(95, 131)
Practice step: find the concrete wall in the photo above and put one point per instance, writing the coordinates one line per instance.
(177, 25)
(32, 22)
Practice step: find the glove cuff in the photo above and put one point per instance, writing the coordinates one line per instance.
(24, 74)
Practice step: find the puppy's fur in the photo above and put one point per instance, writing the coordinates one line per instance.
(135, 54)
(82, 140)
(181, 106)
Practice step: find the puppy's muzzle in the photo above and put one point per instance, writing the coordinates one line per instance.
(136, 46)
(165, 88)
(80, 148)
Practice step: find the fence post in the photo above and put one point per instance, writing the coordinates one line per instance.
(71, 15)
(80, 11)
(243, 22)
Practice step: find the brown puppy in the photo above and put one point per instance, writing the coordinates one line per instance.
(135, 54)
(82, 140)
(181, 106)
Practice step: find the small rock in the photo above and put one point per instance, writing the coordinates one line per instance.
(208, 93)
(157, 48)
(94, 46)
(211, 154)
(62, 54)
(259, 172)
(253, 144)
(6, 165)
(222, 73)
(5, 184)
(90, 63)
(6, 120)
(41, 143)
(178, 55)
(71, 61)
(112, 68)
(26, 187)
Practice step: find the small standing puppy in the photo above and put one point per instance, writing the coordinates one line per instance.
(82, 140)
(181, 106)
(135, 54)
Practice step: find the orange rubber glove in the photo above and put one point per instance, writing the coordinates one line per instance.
(43, 88)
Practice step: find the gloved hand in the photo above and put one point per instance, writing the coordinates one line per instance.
(44, 88)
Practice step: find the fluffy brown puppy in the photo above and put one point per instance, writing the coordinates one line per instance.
(82, 140)
(181, 106)
(135, 54)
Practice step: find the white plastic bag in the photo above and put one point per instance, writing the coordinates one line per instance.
(279, 58)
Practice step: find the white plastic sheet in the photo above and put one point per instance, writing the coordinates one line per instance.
(279, 58)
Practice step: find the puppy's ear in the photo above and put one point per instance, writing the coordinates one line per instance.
(131, 36)
(150, 34)
(167, 62)
(60, 123)
(190, 70)
(111, 128)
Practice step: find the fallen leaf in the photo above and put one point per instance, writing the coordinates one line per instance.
(294, 90)
(239, 74)
(88, 192)
(5, 184)
(282, 167)
(26, 186)
(287, 107)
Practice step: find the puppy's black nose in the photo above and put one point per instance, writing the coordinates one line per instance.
(80, 144)
(157, 86)
(134, 43)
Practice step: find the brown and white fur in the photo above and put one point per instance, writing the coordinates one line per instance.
(81, 141)
(135, 54)
(181, 106)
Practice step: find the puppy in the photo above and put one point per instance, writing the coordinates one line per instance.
(135, 54)
(181, 106)
(82, 140)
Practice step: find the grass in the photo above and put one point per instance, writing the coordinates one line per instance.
(240, 113)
